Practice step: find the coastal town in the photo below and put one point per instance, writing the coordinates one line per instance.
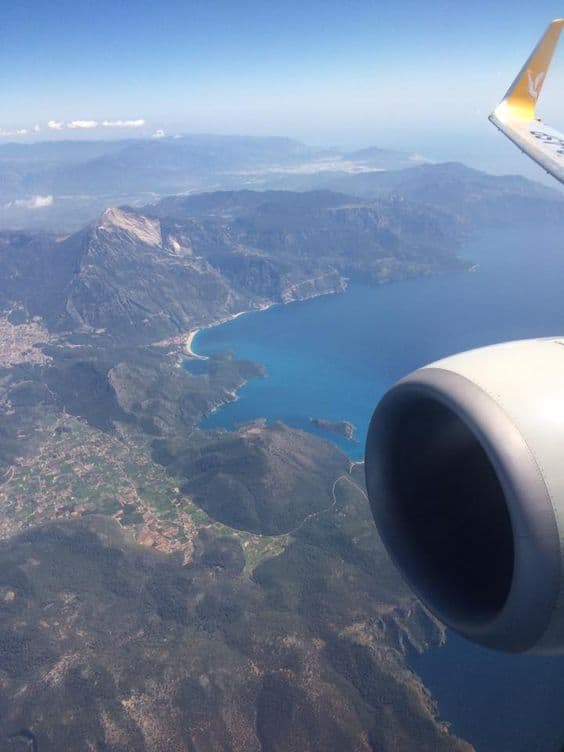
(21, 343)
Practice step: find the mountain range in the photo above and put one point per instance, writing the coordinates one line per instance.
(64, 184)
(154, 273)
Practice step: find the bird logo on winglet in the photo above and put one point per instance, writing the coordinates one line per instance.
(534, 84)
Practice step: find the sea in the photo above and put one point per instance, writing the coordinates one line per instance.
(334, 356)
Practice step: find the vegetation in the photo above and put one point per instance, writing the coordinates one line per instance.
(163, 587)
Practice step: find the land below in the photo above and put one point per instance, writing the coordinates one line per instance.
(166, 587)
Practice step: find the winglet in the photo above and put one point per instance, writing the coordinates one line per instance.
(521, 98)
(516, 117)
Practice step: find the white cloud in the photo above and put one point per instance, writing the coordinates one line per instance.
(82, 124)
(4, 132)
(59, 125)
(159, 133)
(34, 202)
(123, 123)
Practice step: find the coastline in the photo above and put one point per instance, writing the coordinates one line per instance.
(190, 337)
(188, 345)
(188, 351)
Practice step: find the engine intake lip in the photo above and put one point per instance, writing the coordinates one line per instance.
(522, 615)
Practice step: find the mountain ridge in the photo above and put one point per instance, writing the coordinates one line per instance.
(153, 273)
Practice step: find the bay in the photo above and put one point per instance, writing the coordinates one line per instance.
(333, 357)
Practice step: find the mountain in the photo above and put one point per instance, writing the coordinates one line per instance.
(64, 184)
(94, 167)
(383, 159)
(473, 196)
(242, 478)
(144, 275)
(114, 646)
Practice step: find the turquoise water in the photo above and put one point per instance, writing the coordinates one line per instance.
(333, 357)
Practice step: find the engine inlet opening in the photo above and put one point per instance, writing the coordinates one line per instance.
(441, 508)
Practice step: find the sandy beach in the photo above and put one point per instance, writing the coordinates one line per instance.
(188, 346)
(188, 350)
(189, 341)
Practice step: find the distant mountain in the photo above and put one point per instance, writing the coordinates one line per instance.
(383, 159)
(82, 179)
(173, 165)
(141, 166)
(52, 153)
(474, 196)
(61, 186)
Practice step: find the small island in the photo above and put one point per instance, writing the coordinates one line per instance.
(343, 428)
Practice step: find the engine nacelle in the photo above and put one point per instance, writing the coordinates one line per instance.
(465, 476)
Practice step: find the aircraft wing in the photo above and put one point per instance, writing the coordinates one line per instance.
(516, 117)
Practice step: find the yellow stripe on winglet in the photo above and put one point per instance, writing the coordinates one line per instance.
(521, 98)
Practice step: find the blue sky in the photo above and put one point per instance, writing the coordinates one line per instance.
(411, 74)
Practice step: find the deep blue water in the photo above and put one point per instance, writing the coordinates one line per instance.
(333, 357)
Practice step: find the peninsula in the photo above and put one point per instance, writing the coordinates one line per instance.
(343, 428)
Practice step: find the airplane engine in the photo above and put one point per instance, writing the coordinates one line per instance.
(465, 476)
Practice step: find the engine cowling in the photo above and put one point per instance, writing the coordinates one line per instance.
(465, 476)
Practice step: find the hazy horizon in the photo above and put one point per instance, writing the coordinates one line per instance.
(484, 150)
(409, 78)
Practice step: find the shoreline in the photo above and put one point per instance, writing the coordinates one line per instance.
(190, 337)
(187, 340)
(188, 346)
(188, 352)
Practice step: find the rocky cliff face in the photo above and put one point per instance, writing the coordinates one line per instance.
(131, 282)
